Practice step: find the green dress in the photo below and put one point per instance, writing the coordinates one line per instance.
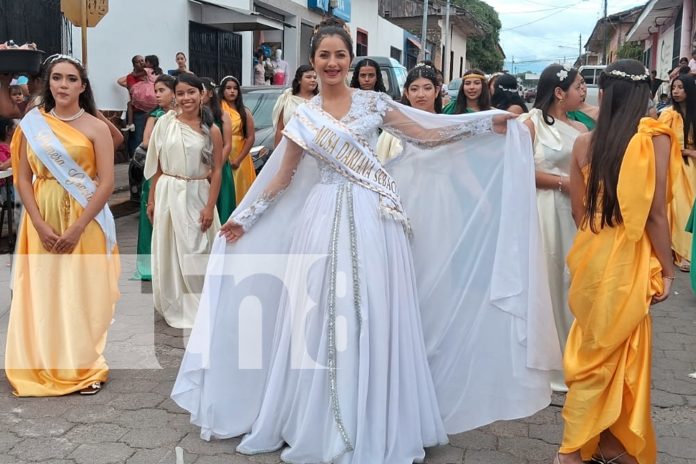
(226, 200)
(142, 261)
(691, 227)
(583, 119)
(449, 108)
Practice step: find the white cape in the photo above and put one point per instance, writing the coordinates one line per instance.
(482, 285)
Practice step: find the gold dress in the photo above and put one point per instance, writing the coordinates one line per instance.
(681, 206)
(614, 275)
(245, 175)
(62, 304)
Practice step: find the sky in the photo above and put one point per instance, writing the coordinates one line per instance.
(536, 33)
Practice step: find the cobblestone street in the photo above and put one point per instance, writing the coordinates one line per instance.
(133, 420)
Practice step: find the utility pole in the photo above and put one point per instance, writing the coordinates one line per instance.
(424, 30)
(606, 26)
(580, 49)
(446, 58)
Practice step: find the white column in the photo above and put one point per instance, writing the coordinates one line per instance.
(687, 12)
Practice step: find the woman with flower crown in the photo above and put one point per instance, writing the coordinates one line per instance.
(622, 179)
(66, 265)
(559, 91)
(330, 324)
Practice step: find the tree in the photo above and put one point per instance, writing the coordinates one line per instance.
(630, 50)
(483, 52)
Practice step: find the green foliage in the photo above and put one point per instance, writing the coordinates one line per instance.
(630, 50)
(482, 52)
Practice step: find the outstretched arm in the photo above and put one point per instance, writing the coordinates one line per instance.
(411, 125)
(241, 221)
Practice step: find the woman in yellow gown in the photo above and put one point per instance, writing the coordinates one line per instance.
(683, 109)
(620, 264)
(66, 275)
(243, 135)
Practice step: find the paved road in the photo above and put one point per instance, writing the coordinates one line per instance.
(133, 420)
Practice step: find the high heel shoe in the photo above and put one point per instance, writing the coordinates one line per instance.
(602, 460)
(557, 459)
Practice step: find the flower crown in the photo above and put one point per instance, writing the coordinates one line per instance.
(628, 77)
(563, 73)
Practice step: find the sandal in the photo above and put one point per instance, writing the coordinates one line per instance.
(92, 389)
(603, 460)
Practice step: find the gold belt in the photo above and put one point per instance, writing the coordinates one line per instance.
(187, 178)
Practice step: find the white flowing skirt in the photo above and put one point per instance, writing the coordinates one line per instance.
(347, 377)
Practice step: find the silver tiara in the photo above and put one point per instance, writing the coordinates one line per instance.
(60, 56)
(630, 77)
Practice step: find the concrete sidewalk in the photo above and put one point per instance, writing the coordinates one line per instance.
(133, 420)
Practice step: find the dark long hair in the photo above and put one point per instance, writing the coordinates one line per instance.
(506, 94)
(624, 103)
(238, 102)
(548, 81)
(688, 113)
(355, 80)
(6, 126)
(154, 61)
(426, 72)
(213, 102)
(206, 115)
(298, 78)
(166, 79)
(330, 27)
(86, 99)
(484, 100)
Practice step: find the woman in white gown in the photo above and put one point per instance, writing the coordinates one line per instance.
(184, 153)
(560, 91)
(331, 360)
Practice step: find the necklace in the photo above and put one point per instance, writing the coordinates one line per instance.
(69, 118)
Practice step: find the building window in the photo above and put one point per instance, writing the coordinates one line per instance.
(461, 66)
(647, 54)
(395, 53)
(361, 43)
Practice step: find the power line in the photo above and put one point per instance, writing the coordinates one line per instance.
(542, 18)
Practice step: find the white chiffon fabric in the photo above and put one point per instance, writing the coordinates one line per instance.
(176, 231)
(553, 148)
(472, 280)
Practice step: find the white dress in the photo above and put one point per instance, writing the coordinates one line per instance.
(337, 369)
(179, 248)
(553, 147)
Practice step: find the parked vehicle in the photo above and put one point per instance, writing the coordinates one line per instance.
(260, 99)
(393, 74)
(591, 75)
(530, 94)
(453, 88)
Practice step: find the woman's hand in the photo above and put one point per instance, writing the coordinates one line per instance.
(500, 122)
(150, 211)
(235, 166)
(688, 152)
(66, 243)
(231, 231)
(667, 286)
(206, 219)
(47, 236)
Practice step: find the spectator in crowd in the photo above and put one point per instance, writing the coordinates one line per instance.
(16, 94)
(260, 77)
(152, 63)
(655, 83)
(142, 92)
(181, 65)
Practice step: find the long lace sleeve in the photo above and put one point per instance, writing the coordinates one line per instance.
(249, 213)
(426, 130)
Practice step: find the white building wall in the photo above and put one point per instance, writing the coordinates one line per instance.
(458, 46)
(381, 33)
(160, 29)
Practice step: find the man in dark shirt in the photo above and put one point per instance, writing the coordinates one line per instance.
(655, 83)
